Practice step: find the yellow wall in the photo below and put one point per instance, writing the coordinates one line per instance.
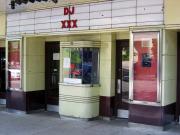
(34, 64)
(2, 43)
(79, 101)
(172, 10)
(2, 24)
(68, 38)
(107, 64)
(169, 67)
(122, 35)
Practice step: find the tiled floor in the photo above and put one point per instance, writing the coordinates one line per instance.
(48, 123)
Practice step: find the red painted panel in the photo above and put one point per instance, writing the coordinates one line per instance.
(145, 66)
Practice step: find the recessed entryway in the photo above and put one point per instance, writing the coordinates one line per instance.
(122, 79)
(52, 56)
(2, 76)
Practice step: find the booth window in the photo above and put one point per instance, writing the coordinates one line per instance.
(80, 65)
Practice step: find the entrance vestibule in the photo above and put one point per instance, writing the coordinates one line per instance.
(2, 75)
(122, 79)
(52, 57)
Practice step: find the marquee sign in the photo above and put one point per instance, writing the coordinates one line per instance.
(69, 23)
(90, 16)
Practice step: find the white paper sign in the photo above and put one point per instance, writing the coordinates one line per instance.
(66, 63)
(73, 80)
(55, 56)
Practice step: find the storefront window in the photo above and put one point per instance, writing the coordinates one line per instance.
(80, 65)
(14, 71)
(145, 60)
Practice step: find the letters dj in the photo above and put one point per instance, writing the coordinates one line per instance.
(69, 23)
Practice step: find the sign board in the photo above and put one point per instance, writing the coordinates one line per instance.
(69, 23)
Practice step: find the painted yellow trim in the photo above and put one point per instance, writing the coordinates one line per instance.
(2, 25)
(171, 10)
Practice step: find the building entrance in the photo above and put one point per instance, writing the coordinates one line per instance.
(52, 50)
(122, 79)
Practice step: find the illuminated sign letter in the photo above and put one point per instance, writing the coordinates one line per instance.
(69, 10)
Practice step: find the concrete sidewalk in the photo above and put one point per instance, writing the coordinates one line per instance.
(48, 123)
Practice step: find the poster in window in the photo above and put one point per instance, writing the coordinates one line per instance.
(14, 72)
(66, 63)
(146, 60)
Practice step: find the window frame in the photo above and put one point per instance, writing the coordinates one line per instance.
(159, 91)
(97, 71)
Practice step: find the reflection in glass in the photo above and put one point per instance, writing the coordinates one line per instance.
(125, 73)
(145, 66)
(80, 65)
(14, 71)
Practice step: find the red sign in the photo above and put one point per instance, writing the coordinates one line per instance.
(69, 23)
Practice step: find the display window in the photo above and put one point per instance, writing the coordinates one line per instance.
(80, 65)
(14, 66)
(145, 66)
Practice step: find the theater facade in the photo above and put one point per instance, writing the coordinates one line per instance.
(106, 59)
